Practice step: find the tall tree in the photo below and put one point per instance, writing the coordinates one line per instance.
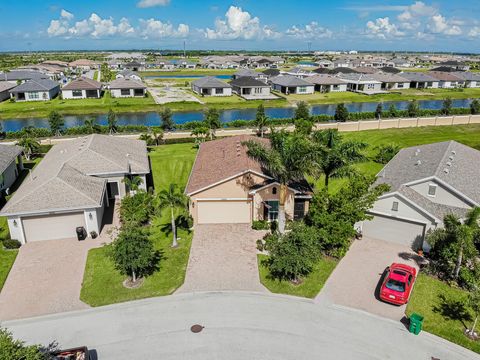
(30, 146)
(379, 111)
(212, 121)
(112, 122)
(172, 199)
(261, 120)
(91, 125)
(167, 119)
(133, 252)
(392, 111)
(447, 106)
(56, 122)
(302, 111)
(334, 156)
(413, 109)
(286, 160)
(341, 113)
(475, 107)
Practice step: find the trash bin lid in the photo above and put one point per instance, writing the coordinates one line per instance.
(416, 317)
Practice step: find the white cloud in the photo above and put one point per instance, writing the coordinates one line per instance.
(57, 28)
(152, 28)
(66, 15)
(440, 25)
(152, 3)
(310, 31)
(382, 28)
(239, 24)
(474, 32)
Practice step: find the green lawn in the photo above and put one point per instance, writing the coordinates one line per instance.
(441, 307)
(102, 284)
(310, 286)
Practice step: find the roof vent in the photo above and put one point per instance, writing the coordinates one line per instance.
(449, 163)
(446, 171)
(419, 162)
(454, 152)
(451, 158)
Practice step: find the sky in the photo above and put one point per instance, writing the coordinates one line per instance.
(32, 25)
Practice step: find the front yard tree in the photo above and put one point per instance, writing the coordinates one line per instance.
(212, 121)
(167, 119)
(30, 146)
(341, 113)
(413, 109)
(285, 160)
(133, 252)
(261, 120)
(302, 111)
(475, 107)
(112, 122)
(379, 111)
(334, 156)
(474, 303)
(56, 122)
(172, 199)
(447, 106)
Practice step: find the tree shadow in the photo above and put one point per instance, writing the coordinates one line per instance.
(452, 309)
(182, 222)
(419, 260)
(155, 265)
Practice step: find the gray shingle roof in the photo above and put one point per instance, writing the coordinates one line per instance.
(389, 78)
(246, 72)
(36, 85)
(466, 75)
(248, 82)
(64, 179)
(418, 77)
(289, 80)
(5, 85)
(324, 79)
(210, 82)
(358, 77)
(453, 163)
(15, 75)
(8, 153)
(126, 83)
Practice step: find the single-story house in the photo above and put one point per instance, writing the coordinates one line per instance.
(127, 88)
(211, 86)
(128, 74)
(251, 89)
(289, 84)
(227, 186)
(20, 76)
(457, 65)
(426, 182)
(271, 72)
(391, 81)
(468, 79)
(249, 73)
(11, 164)
(72, 187)
(36, 90)
(5, 88)
(134, 66)
(364, 83)
(342, 70)
(446, 80)
(420, 80)
(300, 72)
(82, 88)
(83, 64)
(327, 83)
(389, 70)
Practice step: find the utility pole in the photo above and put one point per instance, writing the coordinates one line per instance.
(184, 52)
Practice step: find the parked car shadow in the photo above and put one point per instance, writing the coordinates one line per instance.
(92, 353)
(419, 260)
(379, 284)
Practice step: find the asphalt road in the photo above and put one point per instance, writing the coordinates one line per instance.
(237, 326)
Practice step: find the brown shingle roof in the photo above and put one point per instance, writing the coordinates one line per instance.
(83, 84)
(221, 159)
(443, 76)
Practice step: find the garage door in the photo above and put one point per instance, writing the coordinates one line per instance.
(52, 227)
(224, 212)
(394, 230)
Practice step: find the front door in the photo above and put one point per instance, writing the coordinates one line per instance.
(299, 209)
(271, 210)
(112, 189)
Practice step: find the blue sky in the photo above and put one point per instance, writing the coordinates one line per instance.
(245, 24)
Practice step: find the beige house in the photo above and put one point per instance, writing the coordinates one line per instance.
(73, 186)
(226, 186)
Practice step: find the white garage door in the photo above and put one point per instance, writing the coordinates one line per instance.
(224, 212)
(51, 227)
(394, 230)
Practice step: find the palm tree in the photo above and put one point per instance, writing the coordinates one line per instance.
(133, 183)
(112, 122)
(157, 136)
(333, 156)
(172, 198)
(30, 145)
(199, 132)
(91, 125)
(285, 160)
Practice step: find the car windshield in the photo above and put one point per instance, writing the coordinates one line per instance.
(395, 285)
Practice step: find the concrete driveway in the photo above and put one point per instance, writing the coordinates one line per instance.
(223, 257)
(355, 281)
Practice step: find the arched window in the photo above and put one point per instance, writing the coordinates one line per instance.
(274, 191)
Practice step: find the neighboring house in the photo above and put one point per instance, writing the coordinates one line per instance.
(73, 185)
(226, 186)
(420, 80)
(426, 183)
(327, 83)
(343, 70)
(289, 84)
(134, 66)
(251, 89)
(446, 80)
(20, 76)
(271, 72)
(457, 65)
(247, 73)
(5, 88)
(83, 65)
(391, 81)
(82, 88)
(363, 83)
(128, 74)
(11, 165)
(468, 79)
(300, 72)
(402, 63)
(211, 86)
(389, 70)
(36, 90)
(127, 88)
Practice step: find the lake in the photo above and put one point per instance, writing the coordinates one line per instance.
(153, 119)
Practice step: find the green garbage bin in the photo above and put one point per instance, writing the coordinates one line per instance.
(416, 322)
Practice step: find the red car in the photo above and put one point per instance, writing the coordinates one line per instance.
(398, 284)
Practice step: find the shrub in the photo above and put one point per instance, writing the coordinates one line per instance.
(386, 153)
(341, 113)
(11, 244)
(260, 245)
(136, 210)
(260, 225)
(413, 109)
(475, 107)
(93, 234)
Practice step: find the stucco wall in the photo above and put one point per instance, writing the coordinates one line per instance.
(68, 94)
(9, 175)
(442, 195)
(405, 210)
(266, 195)
(117, 93)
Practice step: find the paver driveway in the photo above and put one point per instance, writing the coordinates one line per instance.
(223, 257)
(355, 281)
